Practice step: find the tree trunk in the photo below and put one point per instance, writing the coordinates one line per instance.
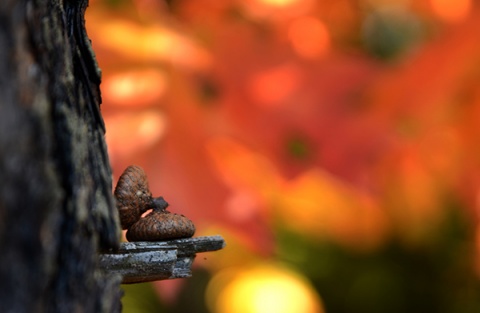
(56, 206)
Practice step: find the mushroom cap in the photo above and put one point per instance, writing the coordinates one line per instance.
(132, 195)
(161, 225)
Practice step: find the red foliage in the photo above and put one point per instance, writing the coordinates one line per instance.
(242, 112)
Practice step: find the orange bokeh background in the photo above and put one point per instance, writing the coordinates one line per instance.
(349, 122)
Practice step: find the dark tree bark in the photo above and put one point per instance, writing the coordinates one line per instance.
(56, 207)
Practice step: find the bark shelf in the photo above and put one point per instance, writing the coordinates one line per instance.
(139, 262)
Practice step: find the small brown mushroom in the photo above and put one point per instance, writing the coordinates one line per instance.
(134, 198)
(161, 224)
(133, 195)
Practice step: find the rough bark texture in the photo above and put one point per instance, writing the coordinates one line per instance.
(145, 261)
(56, 206)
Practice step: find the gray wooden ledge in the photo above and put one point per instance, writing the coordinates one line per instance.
(139, 262)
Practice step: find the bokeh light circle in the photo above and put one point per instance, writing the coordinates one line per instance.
(267, 288)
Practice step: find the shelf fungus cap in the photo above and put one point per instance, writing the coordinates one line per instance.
(161, 225)
(132, 195)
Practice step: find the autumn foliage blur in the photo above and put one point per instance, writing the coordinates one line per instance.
(339, 137)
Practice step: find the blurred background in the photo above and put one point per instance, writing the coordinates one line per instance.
(334, 144)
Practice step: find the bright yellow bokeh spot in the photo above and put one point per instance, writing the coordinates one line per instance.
(262, 289)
